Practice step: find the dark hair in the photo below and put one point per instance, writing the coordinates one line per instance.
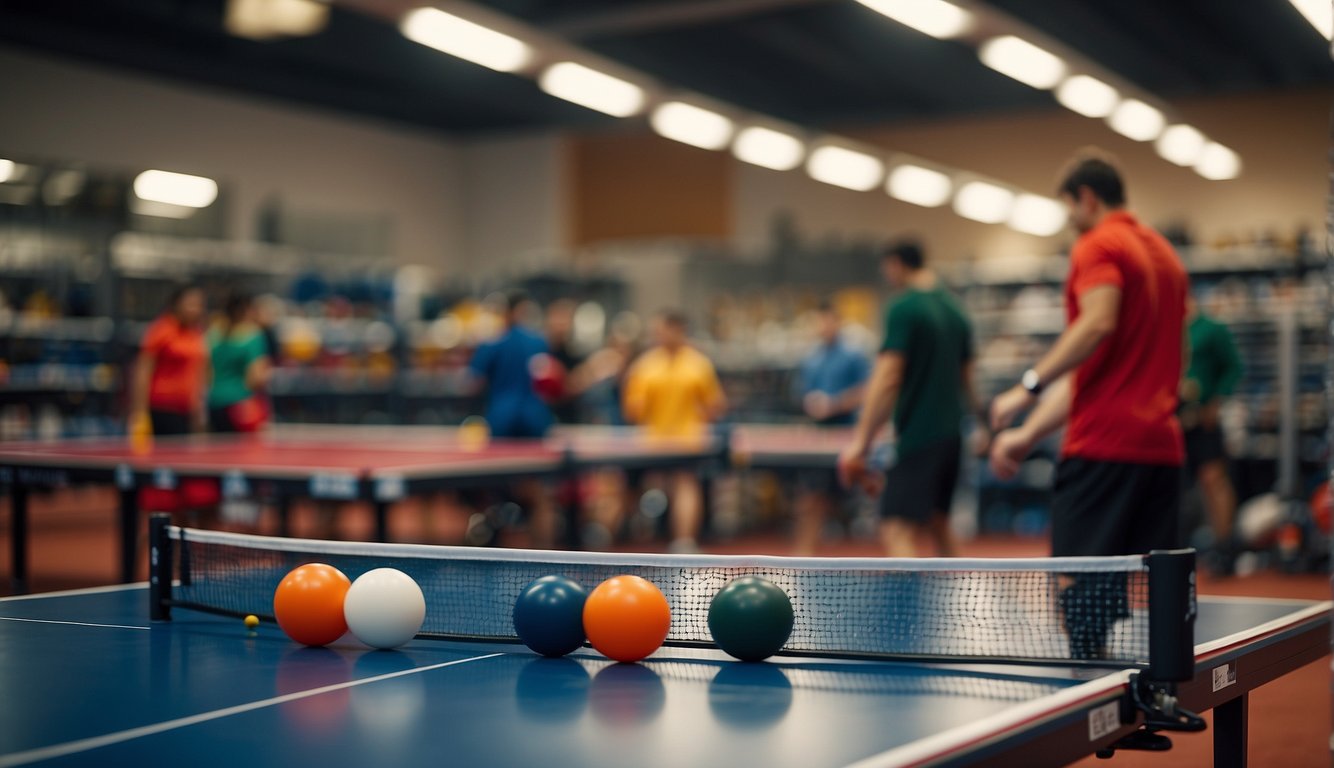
(516, 299)
(909, 252)
(674, 317)
(826, 307)
(236, 306)
(1099, 175)
(178, 293)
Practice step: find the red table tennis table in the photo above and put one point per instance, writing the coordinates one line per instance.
(379, 465)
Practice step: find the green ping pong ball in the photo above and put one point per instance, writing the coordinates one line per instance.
(384, 608)
(251, 621)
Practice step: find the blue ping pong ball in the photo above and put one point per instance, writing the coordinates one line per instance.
(549, 615)
(384, 608)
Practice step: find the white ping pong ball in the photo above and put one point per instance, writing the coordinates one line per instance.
(384, 608)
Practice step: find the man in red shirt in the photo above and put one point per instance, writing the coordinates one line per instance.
(1112, 378)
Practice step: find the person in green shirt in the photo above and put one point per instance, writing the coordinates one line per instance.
(1215, 367)
(922, 377)
(240, 363)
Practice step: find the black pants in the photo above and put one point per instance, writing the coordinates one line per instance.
(167, 423)
(1108, 508)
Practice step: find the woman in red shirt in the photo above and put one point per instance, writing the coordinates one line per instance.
(168, 385)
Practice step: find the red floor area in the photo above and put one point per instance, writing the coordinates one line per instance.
(73, 545)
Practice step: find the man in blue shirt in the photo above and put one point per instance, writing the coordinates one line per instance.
(513, 407)
(829, 383)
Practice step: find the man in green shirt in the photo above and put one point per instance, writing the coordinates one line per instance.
(1214, 370)
(922, 377)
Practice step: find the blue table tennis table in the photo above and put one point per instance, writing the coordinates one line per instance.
(88, 680)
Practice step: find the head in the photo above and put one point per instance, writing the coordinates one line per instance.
(186, 304)
(670, 329)
(1091, 187)
(238, 308)
(518, 305)
(560, 320)
(900, 261)
(828, 322)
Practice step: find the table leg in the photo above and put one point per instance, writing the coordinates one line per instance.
(18, 537)
(283, 503)
(129, 535)
(1230, 733)
(382, 521)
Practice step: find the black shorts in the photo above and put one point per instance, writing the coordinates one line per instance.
(821, 481)
(168, 423)
(1203, 445)
(922, 483)
(220, 421)
(1114, 508)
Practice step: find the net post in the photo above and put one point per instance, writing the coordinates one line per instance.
(159, 567)
(1172, 614)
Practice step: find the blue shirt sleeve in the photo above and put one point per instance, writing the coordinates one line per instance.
(483, 358)
(861, 369)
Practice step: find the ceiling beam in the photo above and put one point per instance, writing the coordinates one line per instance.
(667, 15)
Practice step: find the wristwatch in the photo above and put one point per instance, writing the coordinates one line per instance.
(1031, 382)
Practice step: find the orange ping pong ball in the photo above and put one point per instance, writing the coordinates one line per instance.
(626, 618)
(309, 604)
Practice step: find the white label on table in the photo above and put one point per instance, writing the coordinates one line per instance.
(234, 485)
(1104, 720)
(164, 478)
(1224, 676)
(389, 488)
(124, 477)
(333, 486)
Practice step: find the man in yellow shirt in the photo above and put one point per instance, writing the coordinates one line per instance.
(673, 391)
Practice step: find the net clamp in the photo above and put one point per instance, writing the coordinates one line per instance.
(1162, 712)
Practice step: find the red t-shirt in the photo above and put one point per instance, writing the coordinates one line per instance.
(1125, 395)
(178, 356)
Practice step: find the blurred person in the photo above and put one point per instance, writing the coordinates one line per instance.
(170, 375)
(830, 383)
(1215, 367)
(241, 365)
(560, 342)
(674, 392)
(1112, 378)
(513, 408)
(267, 311)
(922, 378)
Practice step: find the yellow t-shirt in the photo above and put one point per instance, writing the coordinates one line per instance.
(672, 395)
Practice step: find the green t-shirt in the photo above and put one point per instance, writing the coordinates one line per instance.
(231, 355)
(1215, 365)
(931, 332)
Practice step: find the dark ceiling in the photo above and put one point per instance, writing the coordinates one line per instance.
(820, 63)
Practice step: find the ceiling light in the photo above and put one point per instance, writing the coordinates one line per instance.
(1136, 120)
(980, 201)
(8, 170)
(1180, 144)
(1320, 13)
(593, 89)
(1218, 163)
(768, 148)
(845, 168)
(936, 18)
(919, 186)
(1088, 96)
(1023, 61)
(1038, 215)
(271, 19)
(176, 189)
(691, 125)
(465, 39)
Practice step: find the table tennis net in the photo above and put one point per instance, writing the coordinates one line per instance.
(1053, 610)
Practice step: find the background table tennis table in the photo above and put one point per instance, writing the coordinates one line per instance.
(379, 465)
(89, 681)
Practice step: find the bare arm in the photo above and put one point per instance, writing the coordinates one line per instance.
(1011, 446)
(882, 392)
(1099, 308)
(257, 374)
(140, 379)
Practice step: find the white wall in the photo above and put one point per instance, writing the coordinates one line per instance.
(514, 202)
(313, 160)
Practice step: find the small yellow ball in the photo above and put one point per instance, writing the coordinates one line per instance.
(251, 621)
